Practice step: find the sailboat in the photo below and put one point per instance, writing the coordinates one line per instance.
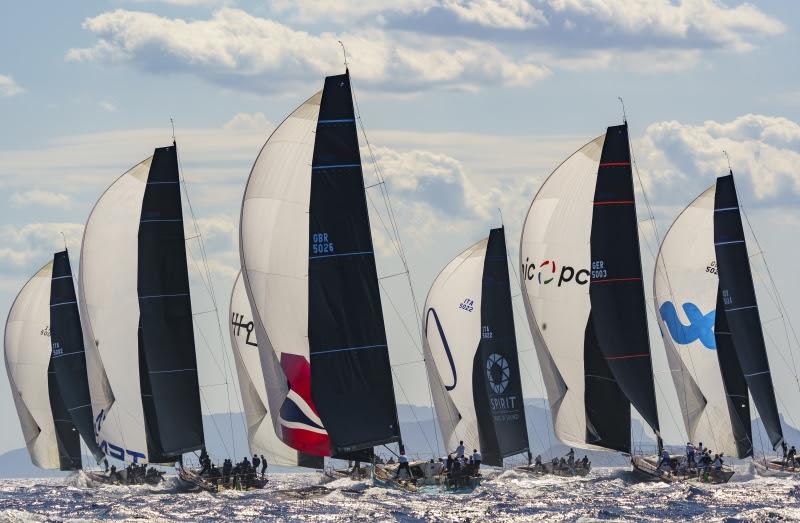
(47, 370)
(719, 354)
(470, 350)
(582, 286)
(309, 272)
(138, 325)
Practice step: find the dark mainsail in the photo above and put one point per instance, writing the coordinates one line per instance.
(68, 361)
(67, 438)
(618, 309)
(496, 383)
(351, 382)
(737, 298)
(167, 360)
(734, 383)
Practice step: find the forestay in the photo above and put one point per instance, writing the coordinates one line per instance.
(309, 270)
(261, 435)
(471, 353)
(582, 287)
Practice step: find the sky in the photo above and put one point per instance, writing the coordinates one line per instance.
(467, 104)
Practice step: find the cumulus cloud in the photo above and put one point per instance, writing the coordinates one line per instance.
(239, 50)
(680, 160)
(42, 198)
(8, 87)
(30, 246)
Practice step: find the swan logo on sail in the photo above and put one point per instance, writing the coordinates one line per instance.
(546, 271)
(701, 326)
(498, 372)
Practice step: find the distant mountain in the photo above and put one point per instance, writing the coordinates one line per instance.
(226, 436)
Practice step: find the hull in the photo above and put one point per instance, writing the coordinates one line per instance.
(426, 474)
(776, 467)
(548, 469)
(648, 466)
(192, 480)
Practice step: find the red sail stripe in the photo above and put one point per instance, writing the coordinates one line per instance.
(615, 164)
(616, 280)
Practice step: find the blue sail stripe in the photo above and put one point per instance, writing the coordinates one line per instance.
(360, 253)
(335, 166)
(741, 308)
(726, 209)
(155, 221)
(62, 303)
(727, 243)
(347, 349)
(339, 120)
(66, 354)
(162, 296)
(62, 277)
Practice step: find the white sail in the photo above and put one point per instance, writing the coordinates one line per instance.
(555, 255)
(685, 291)
(261, 434)
(110, 313)
(27, 356)
(273, 248)
(452, 325)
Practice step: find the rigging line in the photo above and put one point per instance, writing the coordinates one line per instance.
(413, 413)
(212, 295)
(402, 321)
(388, 203)
(216, 427)
(781, 307)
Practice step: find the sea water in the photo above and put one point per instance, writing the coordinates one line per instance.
(606, 494)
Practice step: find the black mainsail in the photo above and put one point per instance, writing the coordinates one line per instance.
(68, 361)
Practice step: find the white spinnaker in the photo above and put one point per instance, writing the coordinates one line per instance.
(27, 354)
(686, 274)
(261, 434)
(108, 295)
(273, 246)
(455, 296)
(558, 230)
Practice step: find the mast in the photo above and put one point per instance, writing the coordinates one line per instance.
(470, 348)
(581, 265)
(309, 270)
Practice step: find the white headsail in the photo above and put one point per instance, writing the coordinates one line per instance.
(107, 292)
(27, 356)
(452, 325)
(261, 434)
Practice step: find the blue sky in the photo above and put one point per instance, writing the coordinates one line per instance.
(469, 104)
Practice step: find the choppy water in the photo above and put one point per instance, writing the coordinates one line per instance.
(607, 494)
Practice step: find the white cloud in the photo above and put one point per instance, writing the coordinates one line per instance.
(681, 160)
(239, 50)
(108, 107)
(688, 22)
(42, 198)
(8, 87)
(248, 122)
(30, 246)
(503, 14)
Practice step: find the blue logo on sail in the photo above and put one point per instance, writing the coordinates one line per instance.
(701, 326)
